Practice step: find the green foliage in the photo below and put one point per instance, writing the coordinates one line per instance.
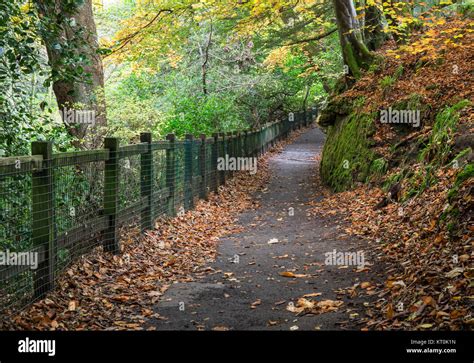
(398, 72)
(436, 153)
(393, 179)
(460, 156)
(203, 116)
(466, 173)
(19, 59)
(129, 116)
(156, 84)
(378, 167)
(420, 181)
(26, 106)
(414, 101)
(244, 86)
(438, 148)
(451, 214)
(387, 82)
(466, 9)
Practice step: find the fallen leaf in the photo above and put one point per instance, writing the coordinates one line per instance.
(425, 326)
(291, 274)
(314, 294)
(255, 304)
(390, 311)
(454, 272)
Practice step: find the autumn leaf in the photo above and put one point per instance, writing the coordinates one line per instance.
(72, 305)
(256, 303)
(291, 274)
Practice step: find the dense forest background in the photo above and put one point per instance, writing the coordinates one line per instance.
(167, 66)
(182, 66)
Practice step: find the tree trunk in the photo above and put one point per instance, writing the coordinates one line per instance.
(78, 75)
(204, 54)
(373, 28)
(355, 53)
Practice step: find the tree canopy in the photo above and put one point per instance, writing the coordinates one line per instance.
(184, 66)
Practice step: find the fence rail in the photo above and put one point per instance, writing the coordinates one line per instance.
(57, 207)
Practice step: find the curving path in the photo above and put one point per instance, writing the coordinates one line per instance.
(224, 301)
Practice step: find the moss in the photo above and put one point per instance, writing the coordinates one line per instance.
(373, 68)
(378, 167)
(347, 156)
(352, 61)
(439, 144)
(338, 108)
(378, 64)
(413, 102)
(466, 10)
(450, 217)
(451, 227)
(466, 173)
(431, 87)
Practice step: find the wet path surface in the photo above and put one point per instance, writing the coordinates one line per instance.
(246, 290)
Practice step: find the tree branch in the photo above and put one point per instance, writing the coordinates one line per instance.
(307, 40)
(130, 37)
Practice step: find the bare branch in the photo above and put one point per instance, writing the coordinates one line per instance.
(312, 39)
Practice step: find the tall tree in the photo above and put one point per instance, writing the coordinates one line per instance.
(355, 53)
(373, 27)
(71, 41)
(204, 54)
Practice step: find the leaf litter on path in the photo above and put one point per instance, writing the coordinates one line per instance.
(100, 291)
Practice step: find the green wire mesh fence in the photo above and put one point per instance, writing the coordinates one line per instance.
(55, 208)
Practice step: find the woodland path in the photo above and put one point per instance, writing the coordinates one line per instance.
(224, 301)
